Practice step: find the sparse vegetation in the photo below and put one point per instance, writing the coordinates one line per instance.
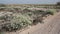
(14, 20)
(18, 21)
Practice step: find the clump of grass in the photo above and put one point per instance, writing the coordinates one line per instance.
(51, 11)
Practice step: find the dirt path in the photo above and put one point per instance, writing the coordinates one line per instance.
(52, 26)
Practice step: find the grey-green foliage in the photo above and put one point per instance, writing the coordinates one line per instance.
(6, 17)
(17, 22)
(38, 11)
(51, 11)
(21, 19)
(11, 26)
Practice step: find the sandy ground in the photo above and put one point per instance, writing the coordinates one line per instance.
(51, 26)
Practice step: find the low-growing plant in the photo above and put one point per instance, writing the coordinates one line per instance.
(6, 17)
(11, 26)
(38, 11)
(17, 22)
(28, 13)
(26, 9)
(51, 11)
(39, 19)
(22, 18)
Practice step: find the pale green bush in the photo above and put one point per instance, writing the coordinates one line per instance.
(51, 11)
(21, 18)
(17, 22)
